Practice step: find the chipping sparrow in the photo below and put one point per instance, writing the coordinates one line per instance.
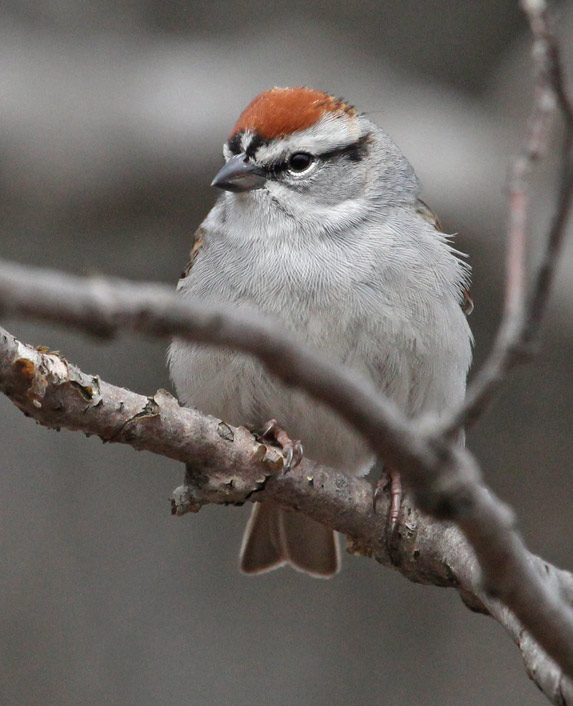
(320, 226)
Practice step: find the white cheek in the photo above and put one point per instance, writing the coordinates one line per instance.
(307, 211)
(343, 214)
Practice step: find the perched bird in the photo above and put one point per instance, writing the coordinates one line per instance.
(320, 226)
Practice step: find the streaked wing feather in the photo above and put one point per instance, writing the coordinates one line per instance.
(196, 246)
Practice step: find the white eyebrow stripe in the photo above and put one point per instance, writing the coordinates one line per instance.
(331, 132)
(246, 139)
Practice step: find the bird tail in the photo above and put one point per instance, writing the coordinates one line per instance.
(276, 536)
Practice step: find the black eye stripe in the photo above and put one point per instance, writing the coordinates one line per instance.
(234, 144)
(254, 144)
(354, 152)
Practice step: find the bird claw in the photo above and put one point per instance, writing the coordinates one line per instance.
(293, 451)
(268, 431)
(293, 455)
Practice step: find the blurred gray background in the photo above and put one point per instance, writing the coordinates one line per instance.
(112, 118)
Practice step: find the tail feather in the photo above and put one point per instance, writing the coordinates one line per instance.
(276, 536)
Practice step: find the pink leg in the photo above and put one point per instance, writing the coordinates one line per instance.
(396, 498)
(390, 480)
(292, 450)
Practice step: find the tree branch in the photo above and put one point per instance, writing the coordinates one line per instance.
(529, 597)
(523, 311)
(230, 466)
(443, 477)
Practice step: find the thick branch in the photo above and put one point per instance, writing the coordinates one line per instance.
(443, 476)
(231, 466)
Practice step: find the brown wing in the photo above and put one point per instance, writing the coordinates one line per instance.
(427, 214)
(197, 244)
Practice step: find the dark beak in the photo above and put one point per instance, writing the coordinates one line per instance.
(239, 175)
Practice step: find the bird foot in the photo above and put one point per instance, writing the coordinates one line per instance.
(292, 450)
(390, 481)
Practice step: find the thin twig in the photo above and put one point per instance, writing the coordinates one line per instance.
(523, 311)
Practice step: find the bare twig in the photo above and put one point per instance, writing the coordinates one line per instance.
(231, 466)
(443, 476)
(523, 312)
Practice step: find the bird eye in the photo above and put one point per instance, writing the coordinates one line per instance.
(300, 161)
